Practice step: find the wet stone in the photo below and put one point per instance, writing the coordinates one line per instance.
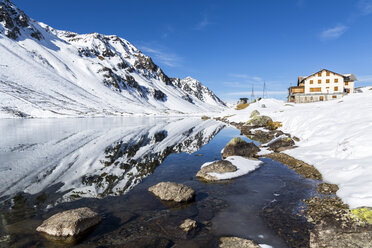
(235, 242)
(221, 166)
(170, 191)
(70, 222)
(188, 225)
(239, 147)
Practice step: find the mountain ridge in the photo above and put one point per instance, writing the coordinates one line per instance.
(92, 75)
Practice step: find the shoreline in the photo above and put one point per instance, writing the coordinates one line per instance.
(326, 214)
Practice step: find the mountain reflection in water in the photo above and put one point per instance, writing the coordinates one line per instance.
(92, 157)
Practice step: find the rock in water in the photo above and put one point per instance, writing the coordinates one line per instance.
(188, 225)
(70, 223)
(234, 242)
(169, 191)
(221, 166)
(238, 147)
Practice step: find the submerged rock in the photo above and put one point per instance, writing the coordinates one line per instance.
(238, 147)
(70, 223)
(221, 166)
(170, 191)
(235, 242)
(188, 225)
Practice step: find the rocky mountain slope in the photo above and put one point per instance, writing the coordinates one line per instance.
(46, 72)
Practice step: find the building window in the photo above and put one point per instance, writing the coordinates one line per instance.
(334, 96)
(315, 89)
(319, 81)
(336, 88)
(327, 81)
(346, 83)
(311, 81)
(328, 73)
(319, 74)
(336, 80)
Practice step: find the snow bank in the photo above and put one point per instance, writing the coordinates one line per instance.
(336, 137)
(244, 166)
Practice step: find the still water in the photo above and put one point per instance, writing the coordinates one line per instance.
(107, 164)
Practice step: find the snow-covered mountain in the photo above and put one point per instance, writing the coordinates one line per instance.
(84, 158)
(46, 72)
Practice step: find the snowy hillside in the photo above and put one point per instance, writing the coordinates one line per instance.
(50, 73)
(84, 158)
(335, 137)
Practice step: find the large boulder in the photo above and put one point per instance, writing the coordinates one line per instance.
(70, 223)
(261, 136)
(259, 121)
(235, 242)
(238, 147)
(169, 191)
(281, 144)
(221, 166)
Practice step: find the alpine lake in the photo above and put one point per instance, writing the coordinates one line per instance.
(108, 164)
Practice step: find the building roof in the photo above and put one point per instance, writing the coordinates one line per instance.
(351, 76)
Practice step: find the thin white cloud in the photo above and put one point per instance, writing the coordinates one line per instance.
(248, 77)
(333, 33)
(162, 57)
(365, 78)
(237, 84)
(203, 23)
(168, 30)
(365, 7)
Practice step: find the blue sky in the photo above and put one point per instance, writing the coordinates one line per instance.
(230, 44)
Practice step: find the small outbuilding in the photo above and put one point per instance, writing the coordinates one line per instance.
(243, 100)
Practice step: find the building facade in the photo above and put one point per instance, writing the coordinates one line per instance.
(323, 85)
